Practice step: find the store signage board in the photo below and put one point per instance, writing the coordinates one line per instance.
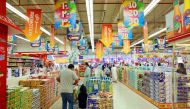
(33, 24)
(107, 35)
(133, 13)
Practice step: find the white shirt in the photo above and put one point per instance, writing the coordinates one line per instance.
(67, 78)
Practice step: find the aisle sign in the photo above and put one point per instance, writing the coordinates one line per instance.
(52, 37)
(126, 46)
(107, 37)
(125, 33)
(186, 17)
(145, 34)
(33, 24)
(133, 13)
(99, 50)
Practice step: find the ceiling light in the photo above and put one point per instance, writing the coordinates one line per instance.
(151, 36)
(151, 6)
(26, 18)
(22, 38)
(11, 43)
(89, 8)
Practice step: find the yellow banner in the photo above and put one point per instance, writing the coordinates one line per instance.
(52, 37)
(99, 50)
(145, 34)
(126, 46)
(107, 35)
(33, 24)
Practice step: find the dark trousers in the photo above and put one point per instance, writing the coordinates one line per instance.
(67, 98)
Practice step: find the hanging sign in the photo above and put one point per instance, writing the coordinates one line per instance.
(74, 34)
(52, 37)
(126, 46)
(99, 50)
(107, 38)
(186, 17)
(62, 14)
(177, 18)
(33, 24)
(161, 43)
(125, 33)
(133, 13)
(145, 34)
(36, 43)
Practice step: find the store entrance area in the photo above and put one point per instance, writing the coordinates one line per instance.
(123, 98)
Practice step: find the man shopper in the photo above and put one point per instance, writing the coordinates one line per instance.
(67, 78)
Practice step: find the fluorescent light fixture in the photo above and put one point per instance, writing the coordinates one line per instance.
(26, 18)
(151, 6)
(22, 38)
(89, 8)
(151, 36)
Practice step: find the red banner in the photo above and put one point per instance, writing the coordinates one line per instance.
(107, 38)
(33, 24)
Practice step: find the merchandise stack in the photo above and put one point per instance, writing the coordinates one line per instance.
(35, 99)
(101, 100)
(13, 98)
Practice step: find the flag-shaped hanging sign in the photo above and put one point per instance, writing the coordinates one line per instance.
(33, 24)
(107, 37)
(52, 37)
(133, 13)
(99, 50)
(126, 46)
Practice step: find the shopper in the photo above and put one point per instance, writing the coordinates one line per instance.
(114, 73)
(181, 69)
(82, 97)
(67, 78)
(107, 71)
(87, 73)
(98, 71)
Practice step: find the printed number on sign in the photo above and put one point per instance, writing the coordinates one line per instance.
(132, 5)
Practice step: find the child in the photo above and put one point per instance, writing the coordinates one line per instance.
(82, 97)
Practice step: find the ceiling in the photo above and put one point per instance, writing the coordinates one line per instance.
(105, 11)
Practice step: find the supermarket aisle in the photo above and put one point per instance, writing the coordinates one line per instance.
(124, 98)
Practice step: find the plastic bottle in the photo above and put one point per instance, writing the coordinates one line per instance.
(186, 18)
(177, 18)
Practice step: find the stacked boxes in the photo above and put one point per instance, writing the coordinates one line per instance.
(26, 98)
(182, 90)
(35, 99)
(13, 98)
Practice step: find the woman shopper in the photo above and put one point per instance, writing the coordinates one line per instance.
(87, 73)
(82, 97)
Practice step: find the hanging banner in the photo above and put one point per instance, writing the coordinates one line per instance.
(36, 43)
(99, 50)
(125, 33)
(107, 38)
(177, 18)
(133, 13)
(186, 17)
(62, 14)
(126, 46)
(161, 43)
(32, 26)
(52, 37)
(74, 34)
(145, 34)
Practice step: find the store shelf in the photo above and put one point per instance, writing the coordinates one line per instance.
(159, 105)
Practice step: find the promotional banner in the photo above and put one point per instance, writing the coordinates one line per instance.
(125, 33)
(186, 16)
(33, 24)
(74, 34)
(62, 14)
(177, 18)
(133, 13)
(161, 43)
(52, 37)
(107, 37)
(126, 46)
(145, 34)
(99, 50)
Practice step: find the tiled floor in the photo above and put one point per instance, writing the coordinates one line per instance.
(124, 98)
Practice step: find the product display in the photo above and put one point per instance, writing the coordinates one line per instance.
(111, 48)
